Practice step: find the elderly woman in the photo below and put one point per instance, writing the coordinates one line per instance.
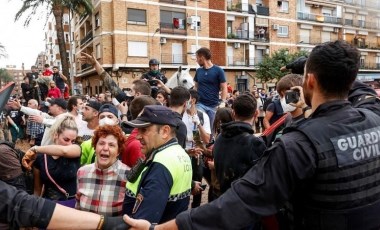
(101, 185)
(56, 167)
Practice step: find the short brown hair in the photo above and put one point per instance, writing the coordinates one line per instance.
(204, 52)
(141, 86)
(139, 103)
(288, 81)
(105, 130)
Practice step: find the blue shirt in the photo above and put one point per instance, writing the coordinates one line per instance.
(209, 81)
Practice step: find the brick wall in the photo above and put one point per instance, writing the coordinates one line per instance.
(217, 29)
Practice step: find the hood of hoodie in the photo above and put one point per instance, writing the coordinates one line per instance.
(235, 128)
(359, 88)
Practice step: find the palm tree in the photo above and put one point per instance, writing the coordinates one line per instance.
(3, 52)
(57, 8)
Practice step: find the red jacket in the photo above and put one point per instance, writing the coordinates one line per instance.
(132, 150)
(54, 93)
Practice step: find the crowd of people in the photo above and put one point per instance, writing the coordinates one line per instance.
(133, 159)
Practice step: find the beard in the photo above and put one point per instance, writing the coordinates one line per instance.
(307, 94)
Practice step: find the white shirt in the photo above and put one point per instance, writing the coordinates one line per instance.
(188, 120)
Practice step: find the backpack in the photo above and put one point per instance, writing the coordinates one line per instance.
(201, 118)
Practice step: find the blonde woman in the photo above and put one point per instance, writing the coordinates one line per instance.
(56, 166)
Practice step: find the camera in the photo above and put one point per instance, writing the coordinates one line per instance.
(152, 82)
(203, 186)
(292, 96)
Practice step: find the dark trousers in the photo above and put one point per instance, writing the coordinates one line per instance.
(259, 124)
(197, 166)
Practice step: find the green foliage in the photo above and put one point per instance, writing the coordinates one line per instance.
(231, 36)
(5, 76)
(269, 68)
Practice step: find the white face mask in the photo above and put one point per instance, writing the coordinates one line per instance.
(188, 105)
(106, 121)
(286, 107)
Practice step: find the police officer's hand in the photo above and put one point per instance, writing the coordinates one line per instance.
(197, 188)
(28, 159)
(136, 224)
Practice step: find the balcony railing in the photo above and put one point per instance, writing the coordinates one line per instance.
(85, 66)
(250, 62)
(238, 7)
(86, 39)
(168, 28)
(173, 59)
(318, 18)
(370, 65)
(361, 24)
(262, 10)
(260, 38)
(176, 2)
(365, 4)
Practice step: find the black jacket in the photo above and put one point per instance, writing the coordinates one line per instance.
(285, 169)
(236, 150)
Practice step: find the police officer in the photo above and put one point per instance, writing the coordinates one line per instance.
(161, 188)
(153, 75)
(327, 166)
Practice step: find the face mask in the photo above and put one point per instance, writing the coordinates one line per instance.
(106, 121)
(188, 105)
(154, 71)
(286, 107)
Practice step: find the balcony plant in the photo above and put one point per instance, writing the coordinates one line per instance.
(231, 36)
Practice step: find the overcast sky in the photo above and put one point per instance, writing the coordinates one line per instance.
(22, 44)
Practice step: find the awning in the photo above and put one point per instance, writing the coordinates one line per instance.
(368, 77)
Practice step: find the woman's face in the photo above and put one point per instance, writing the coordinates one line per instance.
(107, 151)
(160, 98)
(67, 137)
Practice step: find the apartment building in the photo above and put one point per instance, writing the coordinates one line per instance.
(53, 57)
(17, 78)
(125, 34)
(41, 61)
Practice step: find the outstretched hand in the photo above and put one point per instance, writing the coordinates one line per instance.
(136, 224)
(28, 159)
(87, 58)
(301, 102)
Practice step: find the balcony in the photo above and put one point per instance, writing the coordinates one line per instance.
(361, 24)
(369, 65)
(175, 2)
(86, 39)
(318, 18)
(174, 59)
(85, 66)
(262, 10)
(239, 7)
(237, 61)
(169, 28)
(260, 38)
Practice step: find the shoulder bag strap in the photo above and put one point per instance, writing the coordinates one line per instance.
(52, 180)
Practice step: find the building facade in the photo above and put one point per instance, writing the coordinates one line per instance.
(125, 34)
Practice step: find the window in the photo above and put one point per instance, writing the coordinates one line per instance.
(136, 16)
(326, 37)
(97, 20)
(283, 31)
(283, 6)
(171, 19)
(195, 22)
(361, 21)
(98, 51)
(137, 49)
(362, 62)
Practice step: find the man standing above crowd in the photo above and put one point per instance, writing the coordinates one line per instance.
(209, 80)
(59, 79)
(326, 165)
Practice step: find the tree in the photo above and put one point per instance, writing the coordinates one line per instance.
(57, 8)
(5, 76)
(3, 52)
(269, 68)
